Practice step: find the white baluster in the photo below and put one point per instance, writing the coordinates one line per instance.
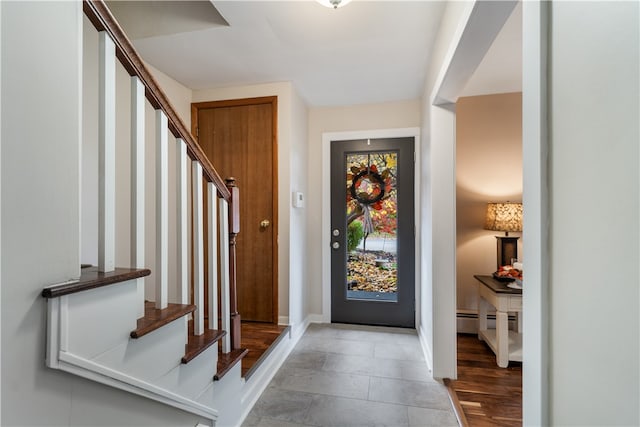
(137, 183)
(212, 245)
(107, 154)
(182, 221)
(198, 248)
(162, 210)
(225, 311)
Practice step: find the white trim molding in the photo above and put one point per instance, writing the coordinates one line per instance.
(535, 198)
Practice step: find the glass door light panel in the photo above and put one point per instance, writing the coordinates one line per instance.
(372, 212)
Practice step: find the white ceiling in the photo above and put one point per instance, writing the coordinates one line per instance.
(366, 52)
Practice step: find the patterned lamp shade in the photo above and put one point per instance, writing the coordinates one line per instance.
(503, 217)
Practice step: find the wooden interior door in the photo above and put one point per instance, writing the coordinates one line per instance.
(239, 138)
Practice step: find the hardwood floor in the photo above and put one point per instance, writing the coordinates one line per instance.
(487, 395)
(257, 338)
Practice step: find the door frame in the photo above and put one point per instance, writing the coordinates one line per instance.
(273, 100)
(327, 137)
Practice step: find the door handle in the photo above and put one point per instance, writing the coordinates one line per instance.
(335, 245)
(264, 223)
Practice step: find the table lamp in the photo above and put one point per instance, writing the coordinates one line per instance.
(505, 216)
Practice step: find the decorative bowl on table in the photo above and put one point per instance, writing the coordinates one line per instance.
(507, 273)
(503, 278)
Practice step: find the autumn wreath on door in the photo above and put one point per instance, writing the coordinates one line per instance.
(370, 190)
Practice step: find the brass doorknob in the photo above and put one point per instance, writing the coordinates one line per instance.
(264, 223)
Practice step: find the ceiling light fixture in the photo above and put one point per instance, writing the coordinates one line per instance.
(333, 3)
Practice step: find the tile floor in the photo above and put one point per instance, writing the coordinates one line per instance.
(351, 375)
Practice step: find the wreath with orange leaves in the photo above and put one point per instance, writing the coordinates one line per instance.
(368, 186)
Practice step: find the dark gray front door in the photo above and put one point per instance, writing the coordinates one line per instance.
(372, 232)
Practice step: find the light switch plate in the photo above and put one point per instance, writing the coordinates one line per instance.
(298, 199)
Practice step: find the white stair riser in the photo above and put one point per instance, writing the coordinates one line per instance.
(191, 379)
(224, 395)
(150, 356)
(100, 319)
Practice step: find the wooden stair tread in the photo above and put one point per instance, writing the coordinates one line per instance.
(226, 361)
(196, 344)
(154, 318)
(260, 342)
(91, 278)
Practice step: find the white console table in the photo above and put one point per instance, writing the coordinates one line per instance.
(506, 344)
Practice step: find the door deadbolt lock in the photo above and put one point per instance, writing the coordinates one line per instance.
(335, 245)
(336, 232)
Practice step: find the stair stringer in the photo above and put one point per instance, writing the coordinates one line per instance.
(82, 361)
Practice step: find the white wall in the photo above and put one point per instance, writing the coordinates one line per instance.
(291, 113)
(41, 117)
(299, 260)
(402, 114)
(0, 203)
(40, 203)
(594, 184)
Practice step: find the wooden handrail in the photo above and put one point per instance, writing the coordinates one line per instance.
(103, 20)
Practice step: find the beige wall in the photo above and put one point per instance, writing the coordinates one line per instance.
(402, 114)
(488, 168)
(178, 94)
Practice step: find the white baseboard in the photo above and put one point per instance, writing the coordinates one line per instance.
(317, 318)
(426, 349)
(283, 320)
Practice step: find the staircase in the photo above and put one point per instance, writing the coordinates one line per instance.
(184, 353)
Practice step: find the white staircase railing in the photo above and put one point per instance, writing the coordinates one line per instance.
(114, 44)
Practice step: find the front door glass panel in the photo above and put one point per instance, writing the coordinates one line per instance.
(372, 221)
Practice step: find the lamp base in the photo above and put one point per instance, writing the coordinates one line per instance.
(507, 249)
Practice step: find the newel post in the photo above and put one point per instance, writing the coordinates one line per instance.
(234, 229)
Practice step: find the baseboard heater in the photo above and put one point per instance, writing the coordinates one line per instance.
(467, 321)
(474, 315)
